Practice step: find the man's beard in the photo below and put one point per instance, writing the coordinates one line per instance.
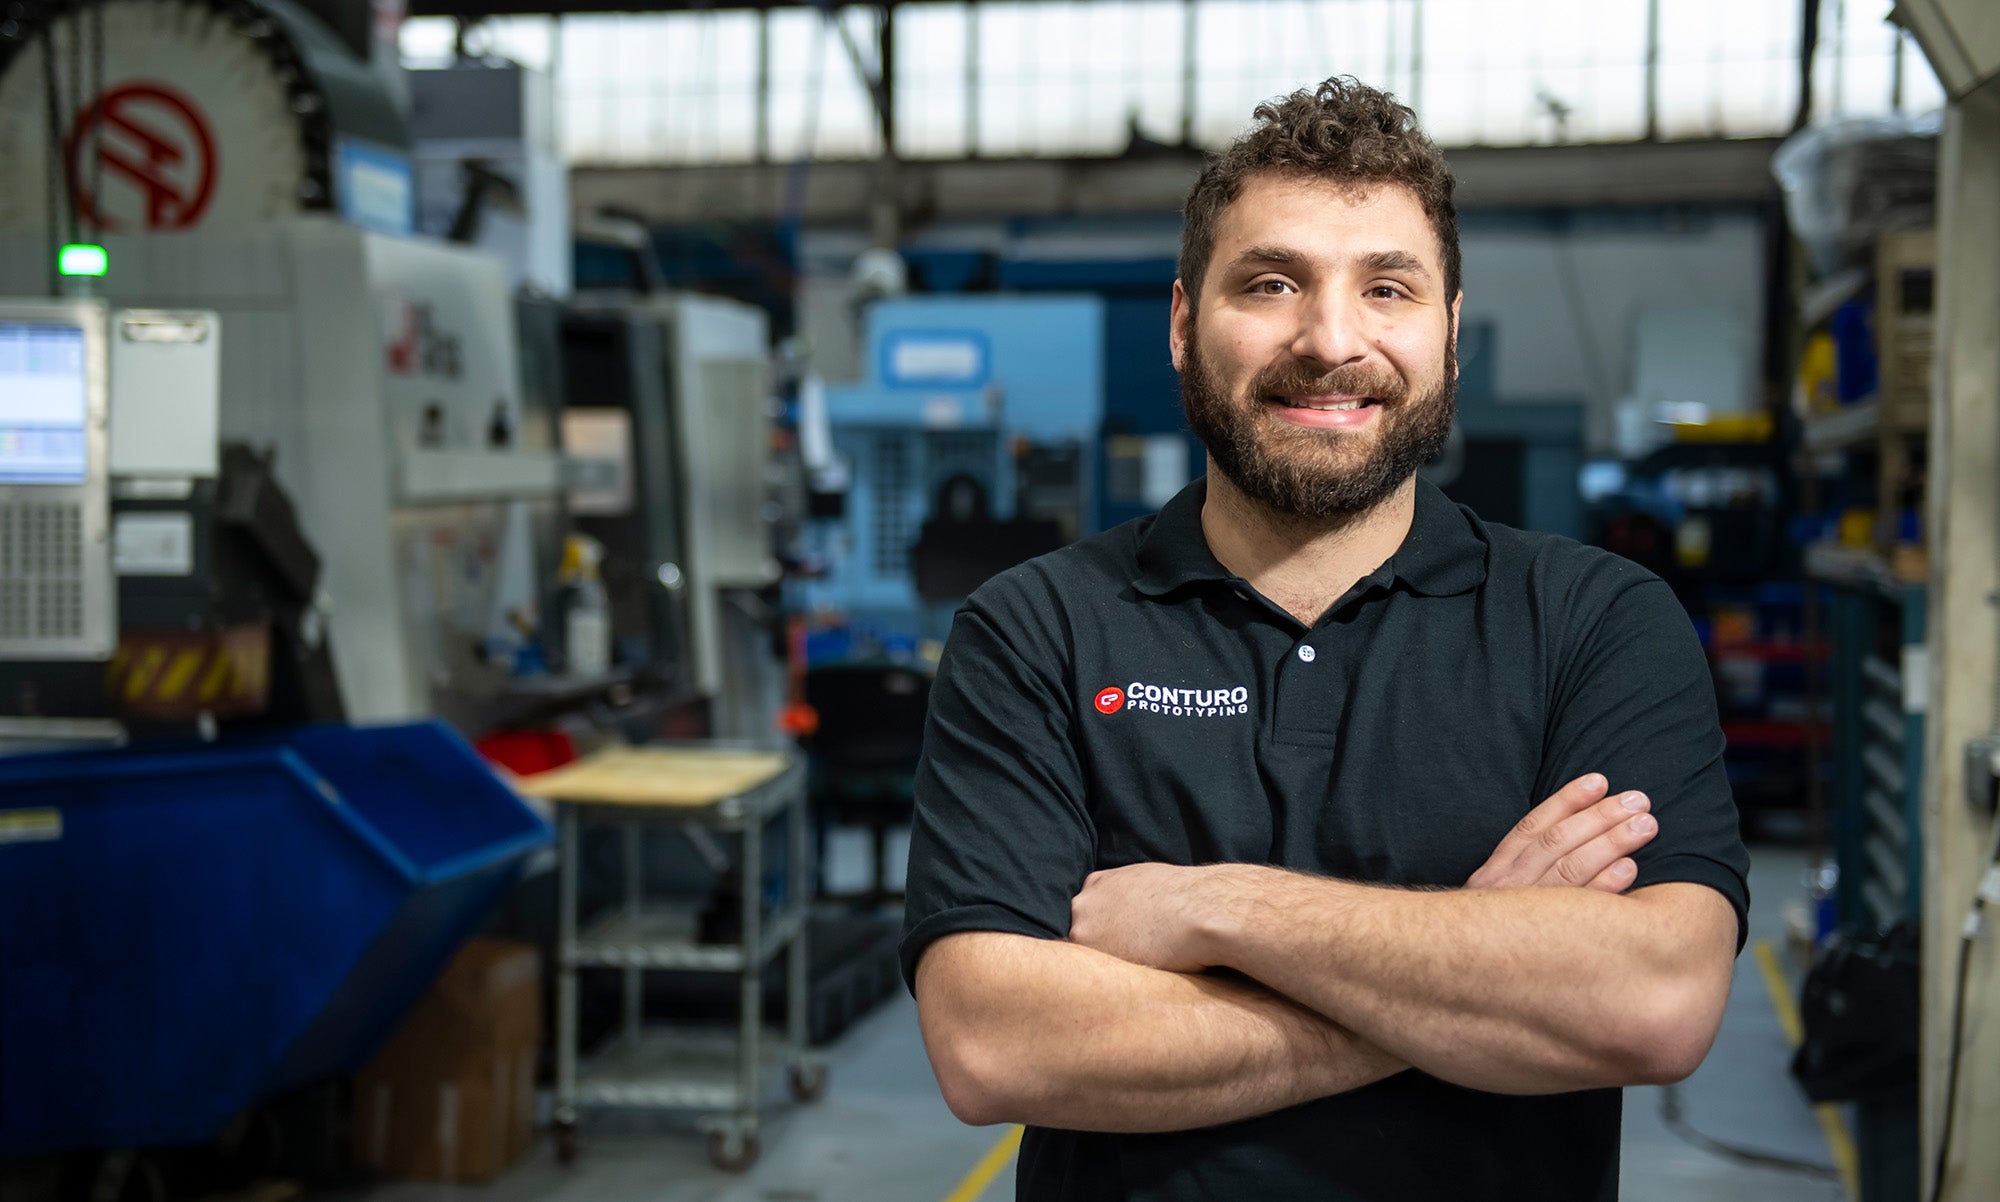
(1305, 472)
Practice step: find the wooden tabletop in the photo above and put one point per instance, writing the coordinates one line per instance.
(657, 776)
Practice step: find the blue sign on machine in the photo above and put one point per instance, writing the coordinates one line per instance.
(942, 359)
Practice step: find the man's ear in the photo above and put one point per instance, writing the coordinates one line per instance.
(1455, 301)
(1178, 319)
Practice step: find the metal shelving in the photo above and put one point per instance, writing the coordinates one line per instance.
(680, 1070)
(1877, 674)
(663, 939)
(699, 789)
(1857, 425)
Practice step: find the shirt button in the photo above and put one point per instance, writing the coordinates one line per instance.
(1307, 654)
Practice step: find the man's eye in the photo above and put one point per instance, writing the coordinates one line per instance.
(1385, 292)
(1270, 287)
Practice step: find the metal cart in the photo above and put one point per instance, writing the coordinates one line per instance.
(697, 789)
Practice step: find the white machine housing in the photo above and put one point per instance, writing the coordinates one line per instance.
(718, 364)
(379, 370)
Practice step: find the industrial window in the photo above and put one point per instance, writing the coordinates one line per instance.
(1047, 78)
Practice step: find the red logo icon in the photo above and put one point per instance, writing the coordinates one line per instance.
(156, 141)
(1110, 701)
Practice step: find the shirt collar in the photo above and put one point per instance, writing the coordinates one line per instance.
(1444, 554)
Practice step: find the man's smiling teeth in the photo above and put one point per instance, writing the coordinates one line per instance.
(1324, 406)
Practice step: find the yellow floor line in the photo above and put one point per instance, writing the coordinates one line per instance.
(987, 1169)
(1838, 1141)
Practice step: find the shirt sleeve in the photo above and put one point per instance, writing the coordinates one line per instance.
(1635, 701)
(1001, 839)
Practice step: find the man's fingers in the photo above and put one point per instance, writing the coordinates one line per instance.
(1543, 820)
(1617, 878)
(1579, 829)
(1580, 837)
(1525, 854)
(1588, 864)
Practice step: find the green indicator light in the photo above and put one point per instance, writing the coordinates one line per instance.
(84, 260)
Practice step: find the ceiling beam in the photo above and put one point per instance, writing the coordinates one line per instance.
(839, 193)
(475, 9)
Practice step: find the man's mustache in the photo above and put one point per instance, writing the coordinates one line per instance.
(1296, 379)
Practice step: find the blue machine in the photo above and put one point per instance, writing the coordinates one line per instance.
(193, 931)
(1006, 390)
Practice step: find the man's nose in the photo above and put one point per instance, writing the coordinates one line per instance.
(1332, 332)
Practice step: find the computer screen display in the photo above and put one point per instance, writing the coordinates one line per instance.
(44, 403)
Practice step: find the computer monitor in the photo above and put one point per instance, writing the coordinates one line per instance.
(44, 401)
(57, 586)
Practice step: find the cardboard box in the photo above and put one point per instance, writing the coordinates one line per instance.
(451, 1096)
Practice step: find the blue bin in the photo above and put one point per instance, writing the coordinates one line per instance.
(215, 925)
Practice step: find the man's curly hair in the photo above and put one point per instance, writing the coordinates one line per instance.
(1342, 131)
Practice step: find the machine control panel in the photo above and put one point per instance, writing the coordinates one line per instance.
(57, 596)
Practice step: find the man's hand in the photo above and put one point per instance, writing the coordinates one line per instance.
(1577, 837)
(1158, 914)
(1148, 914)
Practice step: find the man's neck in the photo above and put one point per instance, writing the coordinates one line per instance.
(1303, 565)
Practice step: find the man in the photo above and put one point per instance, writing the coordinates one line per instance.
(1312, 838)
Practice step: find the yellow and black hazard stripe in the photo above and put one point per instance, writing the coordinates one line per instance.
(182, 673)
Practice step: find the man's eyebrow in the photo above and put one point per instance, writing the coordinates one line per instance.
(1266, 254)
(1395, 261)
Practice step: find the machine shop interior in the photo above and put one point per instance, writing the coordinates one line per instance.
(485, 487)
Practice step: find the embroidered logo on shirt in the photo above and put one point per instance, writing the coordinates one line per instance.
(1180, 703)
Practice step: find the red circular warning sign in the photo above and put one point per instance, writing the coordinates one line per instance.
(152, 140)
(1110, 701)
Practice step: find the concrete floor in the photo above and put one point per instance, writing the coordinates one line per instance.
(882, 1134)
(1743, 1094)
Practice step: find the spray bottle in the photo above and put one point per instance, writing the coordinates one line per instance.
(587, 620)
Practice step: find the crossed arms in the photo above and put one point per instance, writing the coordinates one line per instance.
(1542, 975)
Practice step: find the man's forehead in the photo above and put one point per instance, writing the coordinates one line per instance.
(1317, 218)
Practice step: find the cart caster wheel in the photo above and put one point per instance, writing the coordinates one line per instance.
(565, 1143)
(808, 1082)
(732, 1151)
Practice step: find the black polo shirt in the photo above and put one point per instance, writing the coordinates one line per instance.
(1127, 699)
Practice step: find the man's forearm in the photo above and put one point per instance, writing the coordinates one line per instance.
(1511, 990)
(1048, 1033)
